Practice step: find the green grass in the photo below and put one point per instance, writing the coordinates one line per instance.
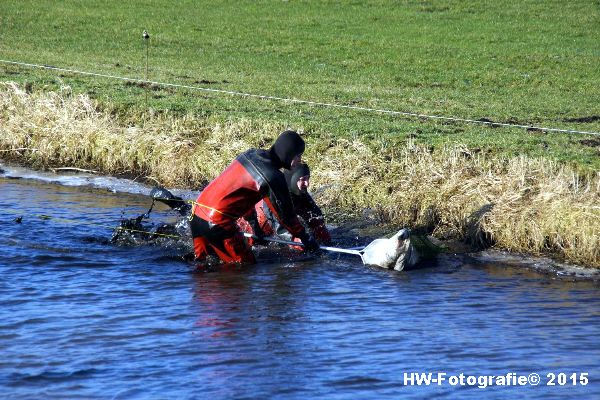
(529, 62)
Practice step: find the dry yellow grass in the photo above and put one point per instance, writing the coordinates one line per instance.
(520, 204)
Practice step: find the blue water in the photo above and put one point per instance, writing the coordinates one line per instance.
(81, 318)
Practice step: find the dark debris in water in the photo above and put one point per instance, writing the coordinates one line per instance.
(94, 239)
(134, 231)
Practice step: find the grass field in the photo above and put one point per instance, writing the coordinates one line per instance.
(529, 62)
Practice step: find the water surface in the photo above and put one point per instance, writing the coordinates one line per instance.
(83, 318)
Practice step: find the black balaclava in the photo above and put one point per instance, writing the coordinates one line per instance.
(287, 146)
(292, 176)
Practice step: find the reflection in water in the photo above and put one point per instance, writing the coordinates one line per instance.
(218, 299)
(81, 318)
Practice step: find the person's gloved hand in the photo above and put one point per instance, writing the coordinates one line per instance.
(259, 238)
(310, 244)
(257, 232)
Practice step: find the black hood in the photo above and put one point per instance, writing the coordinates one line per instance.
(292, 176)
(287, 146)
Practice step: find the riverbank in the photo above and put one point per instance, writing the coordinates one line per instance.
(521, 204)
(435, 253)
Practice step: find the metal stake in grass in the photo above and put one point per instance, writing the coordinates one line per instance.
(146, 37)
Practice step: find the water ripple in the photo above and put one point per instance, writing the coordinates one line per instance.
(80, 318)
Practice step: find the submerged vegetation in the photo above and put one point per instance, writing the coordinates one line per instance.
(454, 192)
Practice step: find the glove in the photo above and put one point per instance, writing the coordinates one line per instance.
(259, 238)
(256, 229)
(310, 244)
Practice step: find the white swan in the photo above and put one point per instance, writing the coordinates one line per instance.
(395, 253)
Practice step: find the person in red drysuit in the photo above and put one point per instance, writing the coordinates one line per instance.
(253, 176)
(298, 181)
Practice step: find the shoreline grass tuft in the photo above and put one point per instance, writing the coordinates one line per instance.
(521, 203)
